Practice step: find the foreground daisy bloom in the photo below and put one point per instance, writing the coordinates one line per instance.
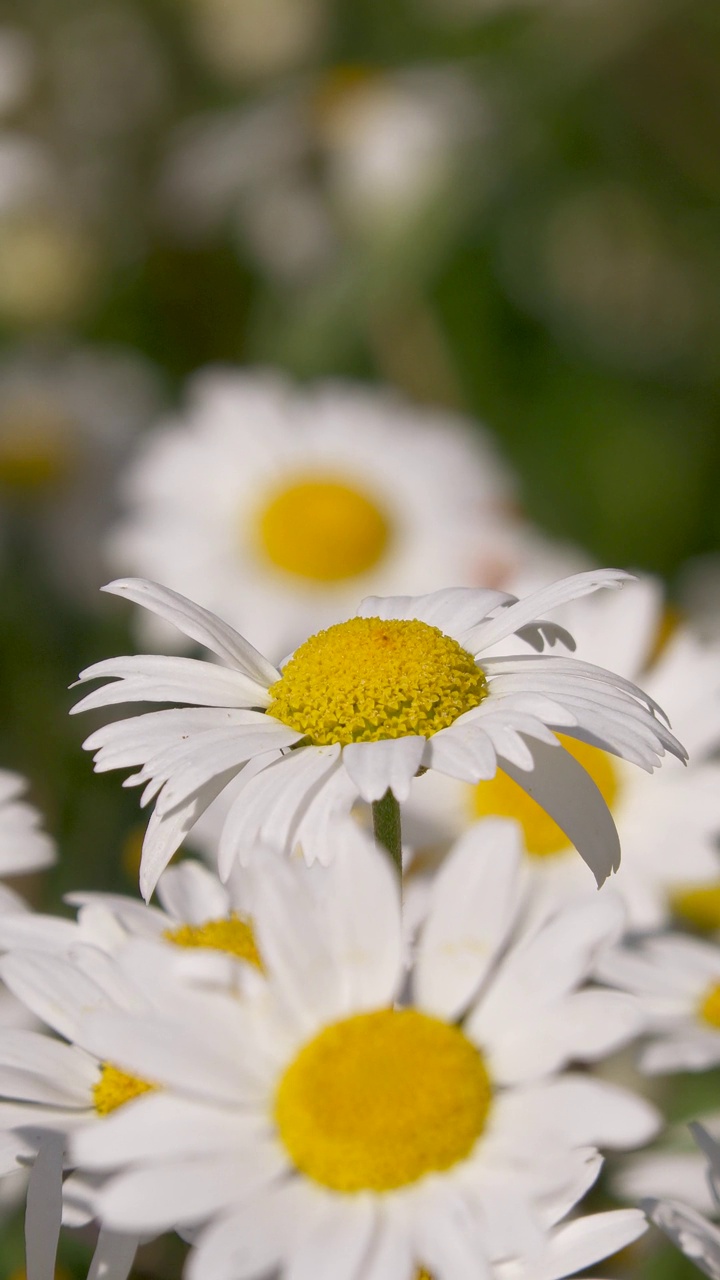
(318, 1122)
(668, 827)
(279, 507)
(677, 980)
(359, 709)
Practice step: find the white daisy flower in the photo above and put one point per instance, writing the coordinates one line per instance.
(320, 1123)
(410, 683)
(278, 507)
(677, 980)
(668, 828)
(24, 847)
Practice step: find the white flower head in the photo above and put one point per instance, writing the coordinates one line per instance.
(327, 1121)
(669, 826)
(279, 507)
(677, 980)
(410, 683)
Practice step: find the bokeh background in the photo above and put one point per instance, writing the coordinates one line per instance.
(506, 207)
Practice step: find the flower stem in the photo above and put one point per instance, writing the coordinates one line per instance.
(386, 826)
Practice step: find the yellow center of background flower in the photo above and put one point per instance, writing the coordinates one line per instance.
(323, 530)
(710, 1006)
(115, 1088)
(378, 1100)
(35, 454)
(699, 906)
(231, 933)
(368, 679)
(502, 797)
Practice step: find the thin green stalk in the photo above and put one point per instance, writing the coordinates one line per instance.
(386, 825)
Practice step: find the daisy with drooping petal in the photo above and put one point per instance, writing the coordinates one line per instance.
(279, 507)
(668, 828)
(677, 980)
(409, 683)
(319, 1123)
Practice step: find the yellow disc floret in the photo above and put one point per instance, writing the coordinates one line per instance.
(710, 1006)
(378, 1100)
(698, 905)
(115, 1088)
(368, 679)
(231, 933)
(322, 529)
(502, 797)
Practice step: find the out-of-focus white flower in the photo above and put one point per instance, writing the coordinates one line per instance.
(409, 683)
(355, 157)
(668, 829)
(677, 979)
(24, 846)
(317, 1104)
(67, 418)
(278, 507)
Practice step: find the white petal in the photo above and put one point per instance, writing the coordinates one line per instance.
(251, 1240)
(191, 894)
(156, 678)
(697, 1238)
(564, 790)
(454, 609)
(113, 1257)
(462, 751)
(337, 1243)
(210, 759)
(159, 1128)
(447, 1240)
(577, 1245)
(596, 1113)
(536, 605)
(376, 766)
(38, 1068)
(474, 902)
(44, 1209)
(199, 624)
(166, 832)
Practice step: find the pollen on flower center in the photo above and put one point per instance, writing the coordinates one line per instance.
(230, 933)
(503, 797)
(380, 1099)
(115, 1088)
(322, 529)
(368, 679)
(710, 1006)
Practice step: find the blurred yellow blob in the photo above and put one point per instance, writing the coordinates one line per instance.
(115, 1088)
(48, 271)
(231, 934)
(36, 452)
(699, 905)
(501, 797)
(710, 1007)
(323, 530)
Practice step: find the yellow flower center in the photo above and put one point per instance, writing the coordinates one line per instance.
(231, 933)
(34, 452)
(367, 679)
(710, 1006)
(502, 797)
(378, 1100)
(699, 906)
(323, 530)
(115, 1088)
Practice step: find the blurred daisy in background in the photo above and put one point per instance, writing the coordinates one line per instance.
(409, 683)
(668, 827)
(67, 418)
(278, 506)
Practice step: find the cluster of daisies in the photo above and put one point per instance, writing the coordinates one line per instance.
(364, 1020)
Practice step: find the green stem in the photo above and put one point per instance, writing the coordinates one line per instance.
(386, 826)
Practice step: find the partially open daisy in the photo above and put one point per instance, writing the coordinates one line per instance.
(677, 980)
(668, 827)
(324, 1120)
(408, 684)
(279, 507)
